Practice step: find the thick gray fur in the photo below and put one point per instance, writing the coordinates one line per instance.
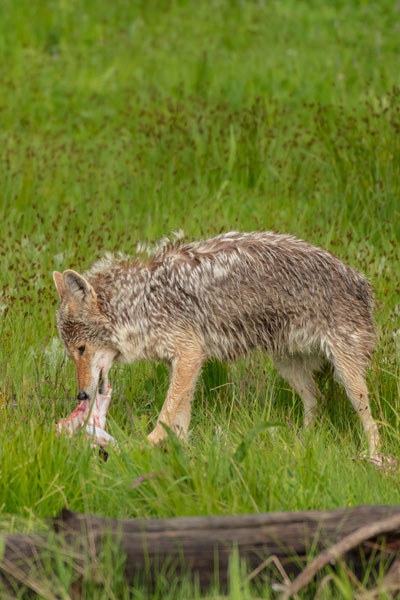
(223, 297)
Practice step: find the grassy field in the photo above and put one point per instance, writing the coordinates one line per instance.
(123, 121)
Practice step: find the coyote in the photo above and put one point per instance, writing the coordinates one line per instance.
(221, 297)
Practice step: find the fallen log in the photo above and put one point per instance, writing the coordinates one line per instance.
(202, 546)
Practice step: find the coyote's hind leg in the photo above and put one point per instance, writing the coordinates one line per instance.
(176, 409)
(352, 375)
(298, 372)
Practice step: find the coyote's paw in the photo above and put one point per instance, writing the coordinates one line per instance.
(157, 435)
(381, 461)
(160, 433)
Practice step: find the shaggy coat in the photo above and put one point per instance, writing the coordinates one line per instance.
(222, 297)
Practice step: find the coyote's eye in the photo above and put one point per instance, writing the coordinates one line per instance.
(81, 350)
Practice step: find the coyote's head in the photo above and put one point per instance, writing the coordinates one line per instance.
(84, 331)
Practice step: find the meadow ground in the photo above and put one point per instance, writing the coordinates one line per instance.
(124, 121)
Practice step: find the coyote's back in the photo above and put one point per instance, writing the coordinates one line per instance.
(264, 290)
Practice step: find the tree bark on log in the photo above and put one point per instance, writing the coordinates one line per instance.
(202, 546)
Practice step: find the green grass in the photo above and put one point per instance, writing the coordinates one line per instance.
(123, 121)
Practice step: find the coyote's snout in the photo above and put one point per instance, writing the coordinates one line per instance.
(81, 326)
(221, 298)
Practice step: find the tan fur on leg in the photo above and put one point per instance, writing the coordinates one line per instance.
(353, 378)
(176, 410)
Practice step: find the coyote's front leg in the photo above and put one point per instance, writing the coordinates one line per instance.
(176, 409)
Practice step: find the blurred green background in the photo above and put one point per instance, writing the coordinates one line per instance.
(123, 121)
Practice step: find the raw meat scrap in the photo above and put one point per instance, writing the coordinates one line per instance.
(93, 415)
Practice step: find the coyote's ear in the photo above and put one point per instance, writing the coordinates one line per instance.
(77, 287)
(59, 281)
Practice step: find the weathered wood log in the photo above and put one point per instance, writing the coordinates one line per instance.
(191, 545)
